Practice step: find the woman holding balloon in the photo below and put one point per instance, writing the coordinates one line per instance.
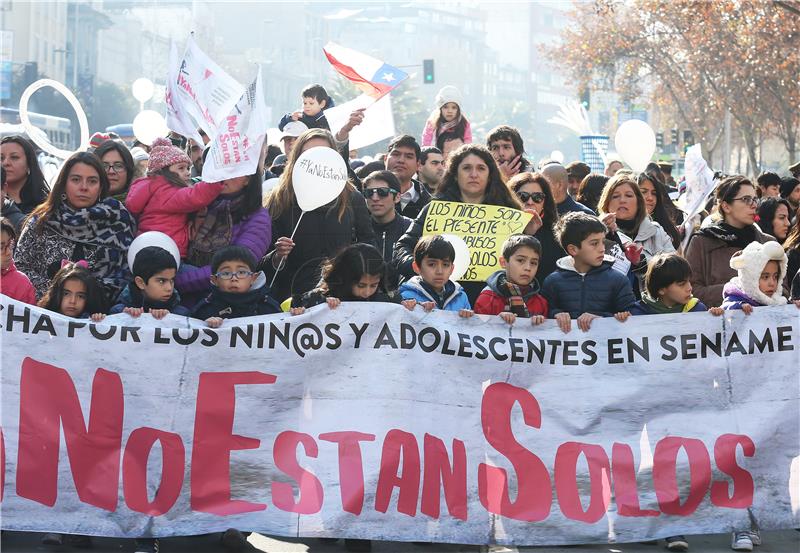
(313, 216)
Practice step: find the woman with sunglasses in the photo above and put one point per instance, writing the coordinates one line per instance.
(710, 250)
(533, 191)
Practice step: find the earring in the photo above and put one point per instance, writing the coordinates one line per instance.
(63, 197)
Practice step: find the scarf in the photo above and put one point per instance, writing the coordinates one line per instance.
(628, 227)
(215, 229)
(447, 126)
(106, 227)
(514, 296)
(732, 236)
(660, 308)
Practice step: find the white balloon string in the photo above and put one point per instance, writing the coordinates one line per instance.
(283, 259)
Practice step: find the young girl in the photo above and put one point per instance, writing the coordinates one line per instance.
(74, 292)
(447, 119)
(13, 283)
(761, 270)
(164, 200)
(357, 273)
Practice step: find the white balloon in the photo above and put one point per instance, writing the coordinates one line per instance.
(557, 155)
(143, 89)
(635, 142)
(318, 177)
(149, 125)
(153, 238)
(37, 139)
(268, 185)
(463, 256)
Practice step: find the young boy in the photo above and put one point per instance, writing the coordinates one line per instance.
(668, 289)
(153, 287)
(315, 101)
(513, 291)
(238, 290)
(584, 286)
(432, 287)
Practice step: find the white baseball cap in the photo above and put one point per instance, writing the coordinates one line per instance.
(293, 128)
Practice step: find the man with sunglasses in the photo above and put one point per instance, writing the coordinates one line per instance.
(381, 190)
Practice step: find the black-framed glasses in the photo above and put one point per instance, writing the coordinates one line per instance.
(537, 197)
(382, 192)
(747, 200)
(228, 275)
(116, 167)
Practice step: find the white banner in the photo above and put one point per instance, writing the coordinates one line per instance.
(204, 90)
(378, 120)
(236, 148)
(370, 421)
(178, 118)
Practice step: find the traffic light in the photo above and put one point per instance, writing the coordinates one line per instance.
(688, 138)
(586, 98)
(673, 135)
(427, 71)
(660, 140)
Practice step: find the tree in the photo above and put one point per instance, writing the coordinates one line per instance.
(701, 58)
(111, 105)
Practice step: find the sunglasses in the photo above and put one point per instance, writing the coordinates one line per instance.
(382, 192)
(537, 197)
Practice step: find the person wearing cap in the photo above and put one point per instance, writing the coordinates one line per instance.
(447, 118)
(790, 190)
(576, 172)
(290, 132)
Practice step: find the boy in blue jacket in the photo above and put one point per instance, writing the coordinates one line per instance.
(584, 286)
(152, 289)
(432, 287)
(315, 102)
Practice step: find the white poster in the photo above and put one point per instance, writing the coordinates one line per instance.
(236, 148)
(377, 125)
(370, 421)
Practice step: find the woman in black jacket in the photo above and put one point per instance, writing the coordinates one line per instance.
(322, 233)
(473, 177)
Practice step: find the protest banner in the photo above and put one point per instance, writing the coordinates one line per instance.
(483, 227)
(377, 125)
(236, 148)
(370, 421)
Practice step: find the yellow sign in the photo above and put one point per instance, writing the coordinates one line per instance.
(484, 228)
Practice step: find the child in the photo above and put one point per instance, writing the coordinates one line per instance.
(164, 200)
(315, 101)
(13, 283)
(74, 292)
(357, 273)
(584, 286)
(761, 269)
(447, 119)
(513, 291)
(237, 289)
(668, 289)
(153, 287)
(432, 287)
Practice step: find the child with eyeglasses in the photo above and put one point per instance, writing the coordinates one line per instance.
(237, 289)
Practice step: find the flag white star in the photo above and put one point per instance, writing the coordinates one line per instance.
(388, 77)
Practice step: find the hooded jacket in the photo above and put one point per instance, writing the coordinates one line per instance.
(131, 296)
(492, 299)
(749, 264)
(602, 291)
(653, 239)
(230, 305)
(645, 307)
(453, 297)
(17, 285)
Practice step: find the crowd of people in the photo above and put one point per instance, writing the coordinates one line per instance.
(597, 245)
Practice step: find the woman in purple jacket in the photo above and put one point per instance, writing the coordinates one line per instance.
(235, 218)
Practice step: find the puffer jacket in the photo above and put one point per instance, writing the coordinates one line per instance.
(160, 205)
(453, 297)
(602, 291)
(493, 299)
(228, 305)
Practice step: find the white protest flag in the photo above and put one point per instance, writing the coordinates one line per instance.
(378, 120)
(178, 118)
(206, 90)
(237, 143)
(699, 184)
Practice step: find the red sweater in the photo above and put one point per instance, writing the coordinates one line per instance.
(15, 284)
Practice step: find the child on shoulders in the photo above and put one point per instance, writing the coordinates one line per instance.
(315, 101)
(447, 119)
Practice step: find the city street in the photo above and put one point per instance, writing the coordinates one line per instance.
(787, 541)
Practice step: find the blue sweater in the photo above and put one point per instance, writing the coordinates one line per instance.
(453, 298)
(602, 291)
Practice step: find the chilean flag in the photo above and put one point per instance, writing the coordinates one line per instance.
(372, 76)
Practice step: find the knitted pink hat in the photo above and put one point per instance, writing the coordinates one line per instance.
(163, 154)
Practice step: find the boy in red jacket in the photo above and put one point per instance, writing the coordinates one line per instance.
(514, 292)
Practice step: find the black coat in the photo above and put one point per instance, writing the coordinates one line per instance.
(386, 237)
(412, 209)
(321, 235)
(227, 305)
(551, 253)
